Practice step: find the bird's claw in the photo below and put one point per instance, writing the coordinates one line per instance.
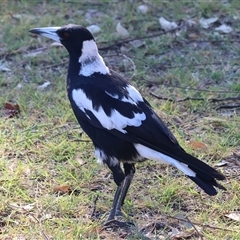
(117, 224)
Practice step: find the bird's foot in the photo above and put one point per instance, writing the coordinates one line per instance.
(113, 223)
(120, 221)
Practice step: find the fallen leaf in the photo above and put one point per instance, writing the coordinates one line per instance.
(224, 28)
(22, 208)
(137, 43)
(221, 164)
(183, 234)
(123, 32)
(197, 145)
(46, 216)
(206, 22)
(3, 67)
(56, 44)
(28, 207)
(94, 29)
(142, 9)
(234, 216)
(190, 23)
(43, 86)
(193, 36)
(62, 189)
(19, 86)
(11, 109)
(166, 25)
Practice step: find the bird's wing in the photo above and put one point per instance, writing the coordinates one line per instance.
(116, 106)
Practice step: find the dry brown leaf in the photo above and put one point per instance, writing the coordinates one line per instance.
(11, 109)
(197, 145)
(62, 189)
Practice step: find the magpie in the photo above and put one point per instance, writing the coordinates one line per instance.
(121, 123)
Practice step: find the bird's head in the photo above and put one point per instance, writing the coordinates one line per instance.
(70, 36)
(80, 44)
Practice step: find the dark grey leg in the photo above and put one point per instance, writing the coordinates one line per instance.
(115, 204)
(129, 173)
(123, 183)
(118, 177)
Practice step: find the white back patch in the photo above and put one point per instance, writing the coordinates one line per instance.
(157, 156)
(90, 60)
(115, 121)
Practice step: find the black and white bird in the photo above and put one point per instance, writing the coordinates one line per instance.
(122, 125)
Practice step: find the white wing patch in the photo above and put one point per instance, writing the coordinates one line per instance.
(157, 156)
(133, 95)
(90, 60)
(115, 121)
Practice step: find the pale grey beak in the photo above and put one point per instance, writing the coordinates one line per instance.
(49, 32)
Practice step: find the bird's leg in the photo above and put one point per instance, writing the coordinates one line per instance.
(129, 173)
(115, 204)
(118, 177)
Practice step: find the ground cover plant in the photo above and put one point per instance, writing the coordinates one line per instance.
(182, 56)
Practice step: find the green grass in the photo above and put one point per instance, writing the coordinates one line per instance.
(43, 147)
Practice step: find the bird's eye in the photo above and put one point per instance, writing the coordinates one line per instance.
(65, 35)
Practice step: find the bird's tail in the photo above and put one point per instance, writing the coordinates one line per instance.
(206, 176)
(199, 172)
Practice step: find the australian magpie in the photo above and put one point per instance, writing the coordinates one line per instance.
(122, 125)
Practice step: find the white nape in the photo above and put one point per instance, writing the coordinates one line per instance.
(91, 61)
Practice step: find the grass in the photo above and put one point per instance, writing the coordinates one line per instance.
(43, 149)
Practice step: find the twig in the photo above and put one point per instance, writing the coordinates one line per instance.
(173, 100)
(186, 65)
(199, 224)
(190, 98)
(137, 38)
(94, 206)
(159, 34)
(224, 99)
(134, 66)
(56, 65)
(199, 234)
(227, 107)
(162, 98)
(201, 99)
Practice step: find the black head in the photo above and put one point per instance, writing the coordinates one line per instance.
(71, 36)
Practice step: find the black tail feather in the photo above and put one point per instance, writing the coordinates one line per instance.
(207, 186)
